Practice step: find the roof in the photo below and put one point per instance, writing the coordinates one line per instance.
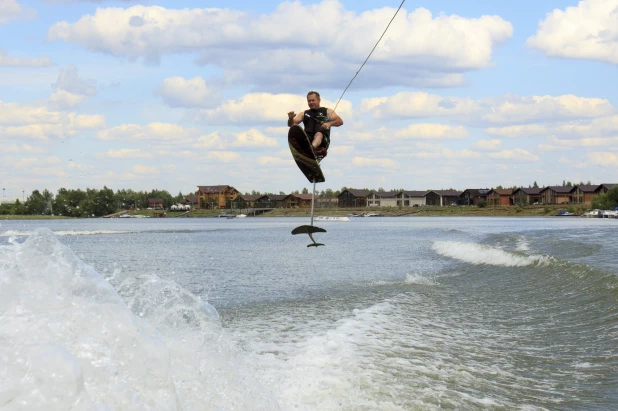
(386, 194)
(559, 189)
(155, 200)
(503, 191)
(609, 186)
(303, 196)
(476, 192)
(588, 188)
(357, 193)
(277, 197)
(251, 197)
(191, 199)
(415, 193)
(213, 189)
(529, 190)
(445, 193)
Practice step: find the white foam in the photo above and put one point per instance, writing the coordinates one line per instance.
(69, 341)
(419, 279)
(15, 233)
(484, 255)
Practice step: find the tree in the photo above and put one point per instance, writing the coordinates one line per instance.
(499, 187)
(535, 185)
(36, 203)
(305, 190)
(606, 201)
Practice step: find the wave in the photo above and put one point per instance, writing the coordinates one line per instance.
(16, 233)
(73, 339)
(479, 254)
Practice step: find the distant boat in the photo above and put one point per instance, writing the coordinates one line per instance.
(564, 214)
(331, 218)
(241, 215)
(373, 215)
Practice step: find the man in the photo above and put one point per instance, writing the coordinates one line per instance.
(317, 122)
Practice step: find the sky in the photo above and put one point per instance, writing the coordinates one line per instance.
(178, 94)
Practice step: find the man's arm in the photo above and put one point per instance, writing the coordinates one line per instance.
(335, 120)
(294, 118)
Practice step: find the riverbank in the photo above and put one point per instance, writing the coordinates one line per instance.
(425, 211)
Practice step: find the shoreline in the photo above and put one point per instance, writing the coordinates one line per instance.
(424, 211)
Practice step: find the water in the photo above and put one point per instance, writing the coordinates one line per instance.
(392, 314)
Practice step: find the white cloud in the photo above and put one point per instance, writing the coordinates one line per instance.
(125, 153)
(262, 108)
(515, 154)
(143, 169)
(195, 92)
(272, 50)
(69, 80)
(586, 31)
(223, 156)
(585, 142)
(375, 162)
(274, 161)
(41, 123)
(63, 100)
(253, 138)
(457, 154)
(212, 141)
(432, 131)
(603, 158)
(150, 132)
(488, 145)
(8, 61)
(549, 147)
(12, 10)
(506, 109)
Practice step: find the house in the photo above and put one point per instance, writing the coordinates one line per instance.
(557, 195)
(525, 196)
(190, 201)
(382, 199)
(500, 197)
(352, 197)
(410, 198)
(473, 196)
(248, 200)
(155, 203)
(442, 197)
(300, 200)
(216, 196)
(583, 194)
(275, 201)
(604, 188)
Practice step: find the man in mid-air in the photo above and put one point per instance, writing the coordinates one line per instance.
(317, 122)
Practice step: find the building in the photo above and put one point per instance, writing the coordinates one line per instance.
(557, 195)
(352, 197)
(474, 196)
(216, 196)
(583, 194)
(155, 203)
(410, 198)
(300, 200)
(526, 196)
(382, 199)
(442, 197)
(500, 197)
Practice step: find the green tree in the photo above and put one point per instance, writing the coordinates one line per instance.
(535, 185)
(305, 190)
(36, 203)
(606, 201)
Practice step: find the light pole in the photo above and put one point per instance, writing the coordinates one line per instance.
(3, 194)
(23, 198)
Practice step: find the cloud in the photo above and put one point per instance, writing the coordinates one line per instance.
(488, 145)
(195, 92)
(603, 158)
(125, 153)
(375, 162)
(37, 122)
(161, 132)
(142, 169)
(502, 110)
(432, 131)
(12, 10)
(69, 80)
(8, 61)
(64, 100)
(253, 138)
(586, 31)
(223, 156)
(261, 108)
(273, 49)
(515, 154)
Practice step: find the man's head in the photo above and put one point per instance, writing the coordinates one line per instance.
(313, 100)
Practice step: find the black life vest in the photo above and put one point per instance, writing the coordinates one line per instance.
(312, 125)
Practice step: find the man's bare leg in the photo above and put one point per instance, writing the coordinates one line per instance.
(317, 140)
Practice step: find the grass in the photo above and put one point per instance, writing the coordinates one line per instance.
(426, 211)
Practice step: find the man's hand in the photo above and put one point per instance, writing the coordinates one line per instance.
(291, 115)
(325, 126)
